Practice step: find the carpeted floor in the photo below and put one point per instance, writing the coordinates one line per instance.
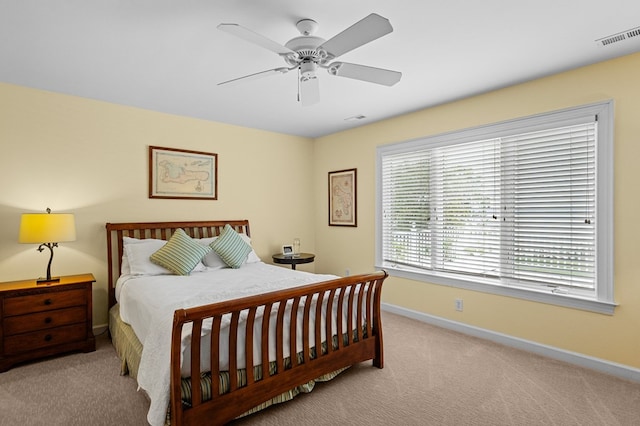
(432, 376)
(77, 389)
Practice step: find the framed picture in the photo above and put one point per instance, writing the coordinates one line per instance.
(287, 250)
(182, 174)
(343, 209)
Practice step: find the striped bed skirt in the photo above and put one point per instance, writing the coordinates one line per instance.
(129, 350)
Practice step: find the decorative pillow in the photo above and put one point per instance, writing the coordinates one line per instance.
(253, 256)
(231, 247)
(181, 254)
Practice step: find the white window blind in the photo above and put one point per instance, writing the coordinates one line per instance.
(551, 208)
(516, 210)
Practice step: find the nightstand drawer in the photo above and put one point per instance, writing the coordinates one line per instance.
(44, 302)
(41, 339)
(44, 320)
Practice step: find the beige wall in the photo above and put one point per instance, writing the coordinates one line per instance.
(90, 158)
(614, 338)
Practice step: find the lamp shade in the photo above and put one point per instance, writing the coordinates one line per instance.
(37, 228)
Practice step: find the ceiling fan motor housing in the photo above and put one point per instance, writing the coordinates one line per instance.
(306, 48)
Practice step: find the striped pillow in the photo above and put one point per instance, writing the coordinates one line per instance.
(231, 247)
(181, 253)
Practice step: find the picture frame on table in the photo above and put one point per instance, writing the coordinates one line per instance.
(182, 174)
(343, 207)
(287, 250)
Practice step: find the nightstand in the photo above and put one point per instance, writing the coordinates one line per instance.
(40, 320)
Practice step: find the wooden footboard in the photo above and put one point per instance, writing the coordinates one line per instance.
(353, 300)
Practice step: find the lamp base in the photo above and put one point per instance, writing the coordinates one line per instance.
(48, 280)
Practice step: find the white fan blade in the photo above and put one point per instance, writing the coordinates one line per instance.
(255, 38)
(362, 32)
(256, 76)
(309, 91)
(365, 73)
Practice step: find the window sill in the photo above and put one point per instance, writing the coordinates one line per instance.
(476, 284)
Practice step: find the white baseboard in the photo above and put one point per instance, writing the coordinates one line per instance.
(99, 329)
(604, 366)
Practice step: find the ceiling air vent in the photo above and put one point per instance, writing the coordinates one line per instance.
(621, 36)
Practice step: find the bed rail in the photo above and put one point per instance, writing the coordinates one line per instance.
(353, 300)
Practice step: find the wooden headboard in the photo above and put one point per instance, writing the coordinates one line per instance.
(161, 231)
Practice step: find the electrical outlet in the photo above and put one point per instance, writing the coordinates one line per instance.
(347, 272)
(459, 305)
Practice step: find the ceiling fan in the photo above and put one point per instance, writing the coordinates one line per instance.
(307, 53)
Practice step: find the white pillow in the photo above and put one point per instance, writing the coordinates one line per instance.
(138, 252)
(125, 269)
(212, 260)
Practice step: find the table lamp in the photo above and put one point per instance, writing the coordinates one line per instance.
(48, 230)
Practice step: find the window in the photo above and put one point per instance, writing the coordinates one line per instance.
(521, 208)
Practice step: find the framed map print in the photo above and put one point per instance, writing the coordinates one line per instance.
(342, 198)
(182, 174)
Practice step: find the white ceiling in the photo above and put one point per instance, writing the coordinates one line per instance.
(168, 56)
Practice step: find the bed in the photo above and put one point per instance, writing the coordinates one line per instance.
(201, 357)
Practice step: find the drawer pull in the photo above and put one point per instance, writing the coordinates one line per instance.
(48, 338)
(48, 320)
(48, 301)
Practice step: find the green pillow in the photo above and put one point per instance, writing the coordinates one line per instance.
(181, 253)
(231, 247)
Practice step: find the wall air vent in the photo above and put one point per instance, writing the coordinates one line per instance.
(621, 36)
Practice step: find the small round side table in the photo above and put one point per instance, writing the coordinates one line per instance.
(293, 259)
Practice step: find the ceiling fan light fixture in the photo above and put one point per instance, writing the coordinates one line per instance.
(308, 70)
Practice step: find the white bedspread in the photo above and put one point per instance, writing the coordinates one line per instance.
(147, 303)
